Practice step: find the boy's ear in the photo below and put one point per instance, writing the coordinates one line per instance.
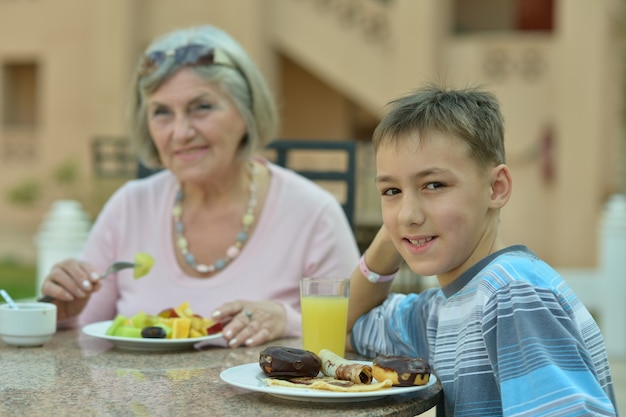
(501, 186)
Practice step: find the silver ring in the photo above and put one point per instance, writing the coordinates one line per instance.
(248, 314)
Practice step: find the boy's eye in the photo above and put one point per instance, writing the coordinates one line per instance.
(434, 185)
(390, 191)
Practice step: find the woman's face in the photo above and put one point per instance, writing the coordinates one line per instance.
(195, 127)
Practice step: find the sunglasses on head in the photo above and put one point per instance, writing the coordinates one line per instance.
(192, 54)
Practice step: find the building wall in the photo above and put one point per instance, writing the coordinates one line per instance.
(30, 32)
(333, 66)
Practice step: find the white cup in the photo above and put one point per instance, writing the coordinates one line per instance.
(31, 324)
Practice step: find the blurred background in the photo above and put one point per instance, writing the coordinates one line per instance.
(556, 65)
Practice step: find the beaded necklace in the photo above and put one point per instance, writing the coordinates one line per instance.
(233, 251)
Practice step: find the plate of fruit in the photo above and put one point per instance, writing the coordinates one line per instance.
(176, 328)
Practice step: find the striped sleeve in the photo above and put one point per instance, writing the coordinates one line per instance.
(396, 327)
(540, 357)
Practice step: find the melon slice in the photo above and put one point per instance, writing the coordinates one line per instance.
(143, 264)
(119, 321)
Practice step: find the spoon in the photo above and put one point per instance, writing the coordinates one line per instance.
(115, 266)
(8, 299)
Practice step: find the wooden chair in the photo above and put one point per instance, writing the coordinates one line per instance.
(143, 171)
(346, 175)
(112, 157)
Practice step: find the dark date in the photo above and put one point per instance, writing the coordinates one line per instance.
(153, 332)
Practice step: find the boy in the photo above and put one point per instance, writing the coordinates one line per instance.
(504, 333)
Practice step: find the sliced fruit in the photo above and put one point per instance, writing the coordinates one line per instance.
(128, 331)
(184, 310)
(168, 313)
(119, 321)
(141, 320)
(143, 264)
(180, 328)
(195, 333)
(172, 323)
(214, 329)
(197, 325)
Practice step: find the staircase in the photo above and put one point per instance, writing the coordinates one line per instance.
(353, 45)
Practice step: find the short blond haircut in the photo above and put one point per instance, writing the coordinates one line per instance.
(470, 114)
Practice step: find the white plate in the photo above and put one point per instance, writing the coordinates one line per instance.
(145, 345)
(250, 377)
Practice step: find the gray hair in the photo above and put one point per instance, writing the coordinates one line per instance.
(470, 114)
(239, 78)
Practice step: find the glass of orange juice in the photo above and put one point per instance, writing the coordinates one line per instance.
(324, 314)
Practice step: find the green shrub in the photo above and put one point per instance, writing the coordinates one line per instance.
(26, 193)
(18, 279)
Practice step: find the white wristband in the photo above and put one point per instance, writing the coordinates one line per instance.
(373, 277)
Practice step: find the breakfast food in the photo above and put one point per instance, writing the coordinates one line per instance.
(143, 264)
(286, 362)
(298, 368)
(403, 371)
(327, 383)
(337, 367)
(172, 323)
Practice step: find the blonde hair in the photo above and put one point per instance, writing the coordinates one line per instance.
(470, 114)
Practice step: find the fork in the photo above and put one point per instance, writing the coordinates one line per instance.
(115, 266)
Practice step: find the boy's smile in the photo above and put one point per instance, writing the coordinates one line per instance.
(438, 204)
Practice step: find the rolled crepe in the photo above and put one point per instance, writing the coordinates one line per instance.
(337, 367)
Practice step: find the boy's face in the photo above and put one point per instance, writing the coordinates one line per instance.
(436, 203)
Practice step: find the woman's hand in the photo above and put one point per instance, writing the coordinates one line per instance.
(71, 283)
(251, 323)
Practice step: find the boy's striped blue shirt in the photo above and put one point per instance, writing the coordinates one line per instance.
(507, 338)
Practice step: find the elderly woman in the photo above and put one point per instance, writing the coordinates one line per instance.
(231, 233)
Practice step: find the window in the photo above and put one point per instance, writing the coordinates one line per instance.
(503, 15)
(20, 94)
(20, 115)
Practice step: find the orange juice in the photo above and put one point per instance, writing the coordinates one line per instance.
(324, 321)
